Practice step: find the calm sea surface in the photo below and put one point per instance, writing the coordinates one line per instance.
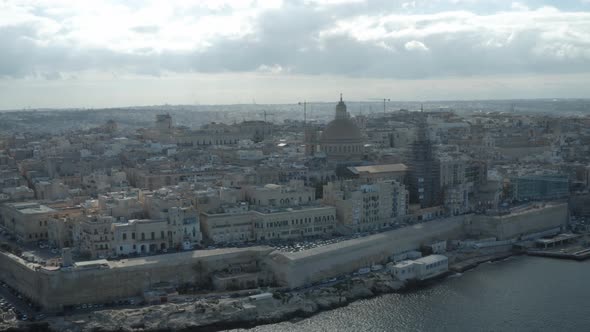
(518, 294)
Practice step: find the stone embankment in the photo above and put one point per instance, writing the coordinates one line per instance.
(221, 314)
(226, 313)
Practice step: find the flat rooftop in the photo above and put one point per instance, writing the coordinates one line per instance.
(404, 264)
(300, 208)
(431, 259)
(558, 238)
(376, 169)
(31, 208)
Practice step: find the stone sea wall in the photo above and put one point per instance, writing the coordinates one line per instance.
(516, 224)
(125, 278)
(309, 266)
(130, 277)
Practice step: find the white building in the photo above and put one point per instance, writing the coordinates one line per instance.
(139, 236)
(421, 268)
(364, 207)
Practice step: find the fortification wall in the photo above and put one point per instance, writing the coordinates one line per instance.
(514, 225)
(130, 277)
(298, 269)
(22, 276)
(125, 278)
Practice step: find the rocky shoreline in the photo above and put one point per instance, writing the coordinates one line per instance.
(223, 314)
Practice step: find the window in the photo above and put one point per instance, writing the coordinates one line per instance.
(133, 235)
(124, 236)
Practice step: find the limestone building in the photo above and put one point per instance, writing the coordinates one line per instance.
(290, 223)
(362, 207)
(27, 221)
(274, 195)
(93, 236)
(228, 225)
(140, 236)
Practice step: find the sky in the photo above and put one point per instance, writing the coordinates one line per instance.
(62, 53)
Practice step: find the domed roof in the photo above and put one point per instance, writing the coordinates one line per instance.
(341, 130)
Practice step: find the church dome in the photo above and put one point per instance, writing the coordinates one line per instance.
(342, 140)
(341, 130)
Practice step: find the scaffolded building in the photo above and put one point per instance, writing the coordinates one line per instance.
(423, 173)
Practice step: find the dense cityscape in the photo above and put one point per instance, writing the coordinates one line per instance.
(257, 213)
(294, 165)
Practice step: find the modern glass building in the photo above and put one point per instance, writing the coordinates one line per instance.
(540, 187)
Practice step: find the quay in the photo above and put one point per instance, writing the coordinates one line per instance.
(576, 253)
(472, 263)
(564, 246)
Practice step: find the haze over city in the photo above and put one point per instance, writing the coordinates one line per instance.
(129, 53)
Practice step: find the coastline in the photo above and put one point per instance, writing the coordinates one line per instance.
(226, 314)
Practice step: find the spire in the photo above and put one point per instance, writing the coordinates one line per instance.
(341, 112)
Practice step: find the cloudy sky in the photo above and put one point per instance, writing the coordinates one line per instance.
(62, 53)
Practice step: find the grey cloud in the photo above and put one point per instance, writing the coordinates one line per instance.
(22, 56)
(290, 37)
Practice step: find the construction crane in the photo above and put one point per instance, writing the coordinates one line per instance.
(265, 113)
(385, 100)
(304, 103)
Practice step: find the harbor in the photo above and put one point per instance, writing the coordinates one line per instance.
(563, 246)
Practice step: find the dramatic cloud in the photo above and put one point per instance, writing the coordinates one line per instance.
(309, 37)
(386, 39)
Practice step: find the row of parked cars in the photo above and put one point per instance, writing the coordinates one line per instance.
(93, 306)
(7, 306)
